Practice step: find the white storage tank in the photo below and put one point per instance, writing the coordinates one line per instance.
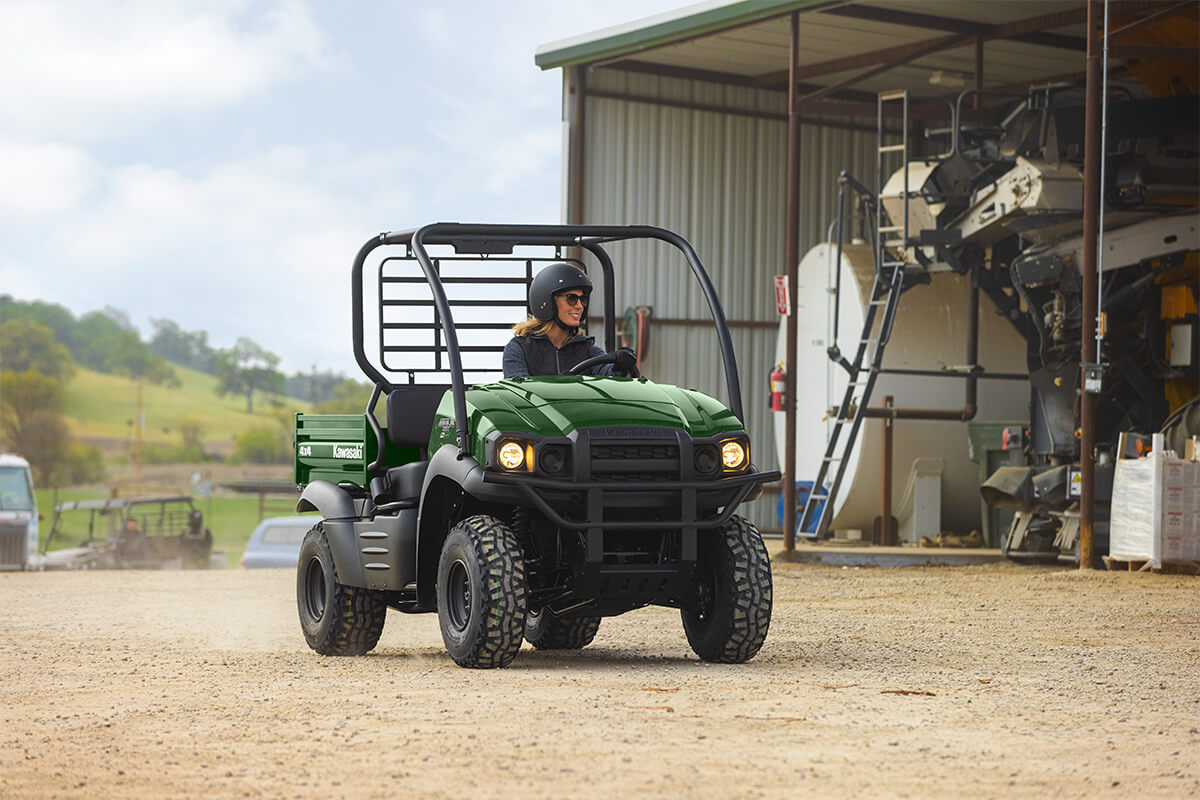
(930, 333)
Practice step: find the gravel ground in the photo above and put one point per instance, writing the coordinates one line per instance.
(976, 682)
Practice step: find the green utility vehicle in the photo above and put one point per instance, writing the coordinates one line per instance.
(525, 507)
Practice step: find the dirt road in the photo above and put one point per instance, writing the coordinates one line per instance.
(920, 682)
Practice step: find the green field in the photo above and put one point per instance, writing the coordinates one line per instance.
(231, 519)
(105, 406)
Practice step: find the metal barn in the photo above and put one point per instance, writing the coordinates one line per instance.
(730, 123)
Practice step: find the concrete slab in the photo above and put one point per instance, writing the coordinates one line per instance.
(841, 555)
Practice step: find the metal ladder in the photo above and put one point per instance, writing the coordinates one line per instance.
(883, 300)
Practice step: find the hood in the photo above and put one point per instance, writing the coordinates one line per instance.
(556, 405)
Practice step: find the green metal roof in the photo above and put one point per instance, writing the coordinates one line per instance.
(673, 26)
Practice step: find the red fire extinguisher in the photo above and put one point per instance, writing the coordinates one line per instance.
(778, 384)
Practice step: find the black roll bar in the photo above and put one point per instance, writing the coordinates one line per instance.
(501, 238)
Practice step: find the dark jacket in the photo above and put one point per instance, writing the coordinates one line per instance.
(535, 354)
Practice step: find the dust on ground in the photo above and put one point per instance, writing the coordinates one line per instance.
(985, 681)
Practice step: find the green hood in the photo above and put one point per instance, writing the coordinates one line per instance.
(556, 405)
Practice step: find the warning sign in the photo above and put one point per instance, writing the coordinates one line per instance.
(783, 299)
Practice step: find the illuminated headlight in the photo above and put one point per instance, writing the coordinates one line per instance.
(511, 455)
(733, 455)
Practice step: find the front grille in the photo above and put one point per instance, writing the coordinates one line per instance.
(630, 463)
(623, 451)
(12, 545)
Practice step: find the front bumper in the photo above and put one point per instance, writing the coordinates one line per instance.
(625, 479)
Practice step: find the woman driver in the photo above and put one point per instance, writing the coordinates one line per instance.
(548, 342)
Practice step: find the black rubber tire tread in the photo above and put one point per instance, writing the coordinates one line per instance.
(353, 618)
(548, 632)
(499, 593)
(737, 626)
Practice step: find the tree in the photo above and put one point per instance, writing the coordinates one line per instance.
(183, 348)
(96, 337)
(245, 368)
(22, 395)
(53, 316)
(130, 357)
(45, 440)
(26, 345)
(106, 345)
(349, 397)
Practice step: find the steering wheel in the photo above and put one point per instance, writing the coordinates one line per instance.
(595, 361)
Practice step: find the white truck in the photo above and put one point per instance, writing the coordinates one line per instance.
(18, 515)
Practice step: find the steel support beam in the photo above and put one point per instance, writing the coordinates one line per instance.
(575, 91)
(950, 25)
(792, 257)
(1092, 208)
(902, 54)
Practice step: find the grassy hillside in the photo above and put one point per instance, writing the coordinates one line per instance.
(99, 405)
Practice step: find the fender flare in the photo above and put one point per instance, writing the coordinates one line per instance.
(331, 500)
(337, 509)
(449, 472)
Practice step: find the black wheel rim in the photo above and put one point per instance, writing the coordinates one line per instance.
(458, 595)
(314, 589)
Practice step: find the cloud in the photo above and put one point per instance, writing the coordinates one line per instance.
(102, 69)
(219, 163)
(41, 179)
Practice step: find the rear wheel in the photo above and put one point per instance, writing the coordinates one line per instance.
(337, 620)
(545, 631)
(482, 594)
(728, 619)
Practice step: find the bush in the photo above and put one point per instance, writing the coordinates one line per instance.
(261, 446)
(83, 464)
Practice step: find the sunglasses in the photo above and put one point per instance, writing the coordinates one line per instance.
(574, 299)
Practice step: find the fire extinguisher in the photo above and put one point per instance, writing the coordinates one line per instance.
(778, 384)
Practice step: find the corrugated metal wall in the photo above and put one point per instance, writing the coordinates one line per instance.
(718, 179)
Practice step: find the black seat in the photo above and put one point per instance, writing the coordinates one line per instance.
(410, 413)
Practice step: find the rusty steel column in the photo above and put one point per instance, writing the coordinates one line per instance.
(1092, 208)
(792, 257)
(885, 493)
(575, 143)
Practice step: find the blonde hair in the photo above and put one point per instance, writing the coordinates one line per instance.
(533, 325)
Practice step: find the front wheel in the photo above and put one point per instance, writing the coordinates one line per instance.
(728, 619)
(545, 631)
(337, 620)
(482, 595)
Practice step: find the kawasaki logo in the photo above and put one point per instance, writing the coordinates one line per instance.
(348, 451)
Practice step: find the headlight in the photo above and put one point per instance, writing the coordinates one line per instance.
(733, 455)
(511, 455)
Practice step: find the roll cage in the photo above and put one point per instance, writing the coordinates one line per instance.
(479, 243)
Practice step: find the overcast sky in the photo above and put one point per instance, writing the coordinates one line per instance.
(219, 162)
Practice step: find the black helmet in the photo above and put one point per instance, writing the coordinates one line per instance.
(554, 278)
